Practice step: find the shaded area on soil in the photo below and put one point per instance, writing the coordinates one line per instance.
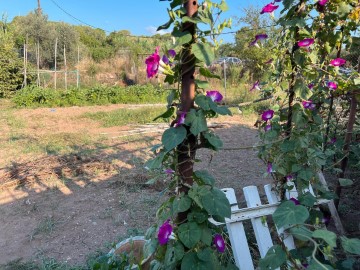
(68, 206)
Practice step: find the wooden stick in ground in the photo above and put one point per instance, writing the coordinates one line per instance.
(65, 66)
(346, 147)
(332, 208)
(38, 63)
(186, 151)
(55, 67)
(25, 64)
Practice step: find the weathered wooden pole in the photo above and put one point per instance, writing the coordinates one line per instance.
(65, 67)
(186, 150)
(38, 63)
(55, 64)
(25, 65)
(77, 69)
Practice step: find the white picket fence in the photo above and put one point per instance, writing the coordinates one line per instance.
(255, 211)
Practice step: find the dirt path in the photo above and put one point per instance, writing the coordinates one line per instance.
(69, 206)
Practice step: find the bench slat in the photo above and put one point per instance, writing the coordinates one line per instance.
(272, 199)
(261, 230)
(239, 244)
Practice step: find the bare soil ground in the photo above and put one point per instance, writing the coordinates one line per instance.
(68, 206)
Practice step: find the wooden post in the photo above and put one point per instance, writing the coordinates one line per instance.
(77, 69)
(65, 67)
(55, 67)
(25, 65)
(38, 63)
(187, 150)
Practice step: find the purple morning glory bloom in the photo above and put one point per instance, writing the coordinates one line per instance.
(256, 86)
(165, 59)
(312, 106)
(267, 128)
(258, 37)
(269, 168)
(306, 42)
(326, 219)
(172, 53)
(152, 63)
(332, 85)
(269, 8)
(322, 2)
(295, 201)
(219, 243)
(267, 115)
(169, 171)
(164, 233)
(181, 119)
(289, 178)
(214, 95)
(307, 104)
(337, 62)
(311, 85)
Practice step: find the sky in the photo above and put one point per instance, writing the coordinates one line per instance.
(140, 17)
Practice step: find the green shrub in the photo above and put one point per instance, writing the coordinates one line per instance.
(32, 96)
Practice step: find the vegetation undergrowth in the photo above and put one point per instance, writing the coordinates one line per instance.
(34, 97)
(126, 116)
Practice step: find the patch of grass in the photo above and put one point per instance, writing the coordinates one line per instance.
(46, 226)
(122, 117)
(19, 265)
(44, 264)
(14, 122)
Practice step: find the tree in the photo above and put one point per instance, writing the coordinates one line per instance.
(11, 77)
(37, 30)
(252, 56)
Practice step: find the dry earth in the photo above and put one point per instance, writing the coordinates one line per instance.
(69, 206)
(72, 205)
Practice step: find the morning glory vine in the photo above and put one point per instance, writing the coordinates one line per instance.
(183, 236)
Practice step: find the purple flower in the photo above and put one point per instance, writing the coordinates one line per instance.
(306, 42)
(295, 201)
(322, 2)
(165, 59)
(269, 168)
(152, 63)
(164, 233)
(332, 85)
(256, 86)
(181, 119)
(258, 37)
(172, 53)
(169, 171)
(337, 62)
(289, 178)
(269, 8)
(311, 85)
(219, 243)
(332, 141)
(267, 128)
(214, 95)
(267, 115)
(308, 104)
(326, 219)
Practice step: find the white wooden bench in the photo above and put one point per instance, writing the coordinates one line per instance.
(255, 211)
